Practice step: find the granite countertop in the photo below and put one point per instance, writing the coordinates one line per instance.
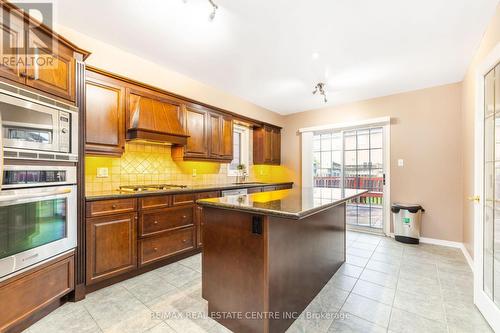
(295, 203)
(116, 194)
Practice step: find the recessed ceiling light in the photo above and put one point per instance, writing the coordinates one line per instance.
(315, 55)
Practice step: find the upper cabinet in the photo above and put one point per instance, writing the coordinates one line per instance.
(56, 74)
(267, 145)
(105, 111)
(196, 126)
(210, 136)
(38, 58)
(14, 34)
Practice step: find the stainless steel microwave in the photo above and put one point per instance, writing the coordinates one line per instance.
(36, 127)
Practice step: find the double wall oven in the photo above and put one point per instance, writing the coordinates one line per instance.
(38, 177)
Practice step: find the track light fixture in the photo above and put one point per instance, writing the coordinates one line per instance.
(320, 88)
(214, 11)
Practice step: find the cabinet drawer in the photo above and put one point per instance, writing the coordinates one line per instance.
(161, 247)
(153, 222)
(108, 207)
(155, 202)
(182, 199)
(29, 292)
(207, 195)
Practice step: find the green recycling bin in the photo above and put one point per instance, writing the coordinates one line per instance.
(407, 219)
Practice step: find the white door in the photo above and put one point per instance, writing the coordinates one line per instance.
(487, 209)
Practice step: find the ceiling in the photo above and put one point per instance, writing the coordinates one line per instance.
(272, 53)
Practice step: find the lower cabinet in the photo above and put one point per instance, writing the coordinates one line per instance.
(123, 235)
(25, 294)
(199, 214)
(111, 246)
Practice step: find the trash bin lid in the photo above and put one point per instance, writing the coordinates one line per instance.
(412, 208)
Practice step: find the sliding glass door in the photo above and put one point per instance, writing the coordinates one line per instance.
(354, 159)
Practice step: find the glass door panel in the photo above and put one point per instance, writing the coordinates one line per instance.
(491, 185)
(354, 160)
(30, 225)
(496, 219)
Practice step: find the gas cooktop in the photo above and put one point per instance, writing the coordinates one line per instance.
(152, 187)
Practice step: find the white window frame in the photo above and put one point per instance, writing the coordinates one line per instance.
(245, 149)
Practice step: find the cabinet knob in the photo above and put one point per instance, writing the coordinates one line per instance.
(184, 240)
(155, 222)
(155, 249)
(184, 217)
(113, 206)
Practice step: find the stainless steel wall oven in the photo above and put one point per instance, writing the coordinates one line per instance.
(38, 200)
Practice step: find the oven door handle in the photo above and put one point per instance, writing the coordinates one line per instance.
(17, 197)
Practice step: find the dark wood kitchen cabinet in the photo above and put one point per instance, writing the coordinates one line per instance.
(57, 76)
(267, 145)
(105, 111)
(14, 33)
(41, 59)
(111, 246)
(199, 214)
(211, 136)
(196, 126)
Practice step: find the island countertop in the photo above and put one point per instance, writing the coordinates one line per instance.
(296, 203)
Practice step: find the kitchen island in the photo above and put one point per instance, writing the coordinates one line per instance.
(267, 255)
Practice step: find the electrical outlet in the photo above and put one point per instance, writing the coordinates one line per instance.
(194, 172)
(401, 163)
(102, 172)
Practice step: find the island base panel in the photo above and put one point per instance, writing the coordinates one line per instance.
(278, 271)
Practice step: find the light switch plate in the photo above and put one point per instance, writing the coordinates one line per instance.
(401, 163)
(102, 172)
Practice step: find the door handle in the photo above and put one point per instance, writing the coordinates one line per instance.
(475, 198)
(17, 197)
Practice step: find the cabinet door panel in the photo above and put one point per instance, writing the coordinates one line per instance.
(215, 135)
(104, 117)
(12, 69)
(226, 139)
(52, 68)
(276, 146)
(268, 145)
(196, 128)
(111, 246)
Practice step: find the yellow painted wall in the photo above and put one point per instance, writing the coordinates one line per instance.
(144, 163)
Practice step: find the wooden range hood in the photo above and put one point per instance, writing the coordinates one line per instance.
(154, 119)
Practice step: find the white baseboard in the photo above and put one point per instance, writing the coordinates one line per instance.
(447, 243)
(467, 256)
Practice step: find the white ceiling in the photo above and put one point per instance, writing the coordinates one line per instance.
(262, 50)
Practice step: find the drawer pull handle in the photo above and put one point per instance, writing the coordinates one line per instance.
(113, 206)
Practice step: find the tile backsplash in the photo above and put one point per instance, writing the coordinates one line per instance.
(144, 163)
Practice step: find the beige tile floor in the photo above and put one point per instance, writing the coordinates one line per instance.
(384, 286)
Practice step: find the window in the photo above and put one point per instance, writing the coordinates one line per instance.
(241, 149)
